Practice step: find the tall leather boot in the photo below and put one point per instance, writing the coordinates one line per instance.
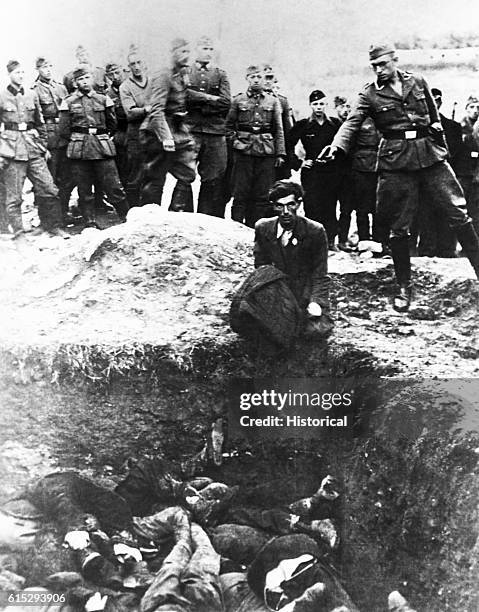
(467, 237)
(210, 201)
(238, 211)
(182, 198)
(87, 207)
(402, 267)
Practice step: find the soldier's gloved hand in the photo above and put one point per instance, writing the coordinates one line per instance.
(307, 164)
(77, 540)
(314, 309)
(169, 145)
(279, 162)
(327, 154)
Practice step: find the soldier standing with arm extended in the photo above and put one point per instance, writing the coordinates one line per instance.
(258, 147)
(412, 156)
(23, 142)
(87, 119)
(135, 95)
(208, 102)
(164, 134)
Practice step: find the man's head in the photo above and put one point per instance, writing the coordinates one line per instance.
(342, 107)
(82, 55)
(255, 77)
(318, 103)
(115, 73)
(269, 77)
(180, 52)
(44, 67)
(83, 79)
(15, 72)
(383, 61)
(437, 95)
(204, 49)
(286, 196)
(472, 108)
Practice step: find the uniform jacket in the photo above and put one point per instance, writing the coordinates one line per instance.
(467, 161)
(304, 260)
(134, 97)
(314, 137)
(453, 134)
(83, 111)
(119, 137)
(205, 116)
(21, 108)
(51, 94)
(255, 122)
(364, 153)
(168, 107)
(414, 109)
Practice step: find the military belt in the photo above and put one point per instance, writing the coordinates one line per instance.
(89, 130)
(254, 129)
(18, 127)
(406, 134)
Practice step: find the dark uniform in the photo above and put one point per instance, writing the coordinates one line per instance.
(23, 142)
(255, 122)
(51, 94)
(322, 182)
(206, 120)
(410, 159)
(135, 95)
(86, 122)
(167, 121)
(119, 137)
(467, 168)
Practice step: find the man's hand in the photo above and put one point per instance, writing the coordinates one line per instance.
(96, 602)
(48, 156)
(327, 154)
(77, 540)
(314, 309)
(436, 127)
(307, 164)
(279, 161)
(169, 146)
(147, 109)
(124, 552)
(327, 490)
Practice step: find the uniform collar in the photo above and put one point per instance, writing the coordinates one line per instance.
(14, 90)
(141, 84)
(203, 65)
(89, 94)
(254, 94)
(327, 119)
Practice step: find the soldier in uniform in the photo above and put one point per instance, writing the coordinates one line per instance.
(99, 82)
(87, 119)
(135, 95)
(51, 94)
(114, 73)
(258, 147)
(321, 182)
(164, 133)
(467, 166)
(23, 153)
(345, 195)
(208, 102)
(271, 87)
(412, 156)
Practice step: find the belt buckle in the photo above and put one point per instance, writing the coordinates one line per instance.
(256, 129)
(410, 134)
(475, 154)
(92, 131)
(22, 127)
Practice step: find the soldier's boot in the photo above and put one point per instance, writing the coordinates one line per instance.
(402, 267)
(121, 208)
(3, 218)
(87, 207)
(238, 210)
(182, 198)
(210, 201)
(467, 237)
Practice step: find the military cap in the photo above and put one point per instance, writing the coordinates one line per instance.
(253, 69)
(317, 94)
(12, 65)
(41, 61)
(178, 43)
(22, 509)
(268, 70)
(112, 66)
(80, 71)
(81, 54)
(472, 100)
(436, 92)
(378, 49)
(205, 41)
(339, 100)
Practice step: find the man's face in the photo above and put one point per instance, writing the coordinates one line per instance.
(438, 101)
(255, 80)
(17, 533)
(135, 65)
(472, 111)
(384, 67)
(343, 111)
(45, 71)
(181, 56)
(116, 76)
(84, 82)
(269, 80)
(204, 53)
(287, 208)
(318, 107)
(17, 76)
